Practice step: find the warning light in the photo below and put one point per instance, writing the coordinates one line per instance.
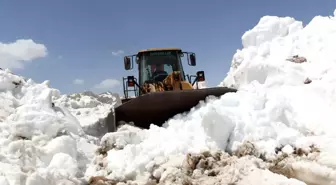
(200, 76)
(130, 81)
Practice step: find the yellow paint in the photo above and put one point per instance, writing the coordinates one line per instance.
(159, 49)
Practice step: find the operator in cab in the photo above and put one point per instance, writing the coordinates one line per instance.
(159, 74)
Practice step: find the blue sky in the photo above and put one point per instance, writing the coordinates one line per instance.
(80, 35)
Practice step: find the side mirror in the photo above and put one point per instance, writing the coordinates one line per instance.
(130, 81)
(192, 59)
(200, 76)
(127, 62)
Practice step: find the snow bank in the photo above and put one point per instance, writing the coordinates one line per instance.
(289, 109)
(40, 143)
(279, 103)
(89, 109)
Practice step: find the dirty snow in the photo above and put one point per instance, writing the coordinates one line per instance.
(277, 129)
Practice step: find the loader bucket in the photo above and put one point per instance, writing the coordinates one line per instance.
(156, 108)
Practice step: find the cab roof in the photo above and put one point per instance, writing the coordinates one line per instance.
(159, 49)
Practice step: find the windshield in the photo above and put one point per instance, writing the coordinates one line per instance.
(158, 65)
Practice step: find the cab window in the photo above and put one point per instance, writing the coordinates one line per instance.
(158, 65)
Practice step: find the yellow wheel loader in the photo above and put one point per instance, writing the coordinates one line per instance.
(161, 89)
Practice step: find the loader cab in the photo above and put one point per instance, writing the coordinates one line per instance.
(157, 65)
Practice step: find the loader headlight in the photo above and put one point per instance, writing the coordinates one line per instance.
(200, 76)
(130, 81)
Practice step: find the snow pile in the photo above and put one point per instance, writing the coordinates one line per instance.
(90, 109)
(40, 143)
(283, 102)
